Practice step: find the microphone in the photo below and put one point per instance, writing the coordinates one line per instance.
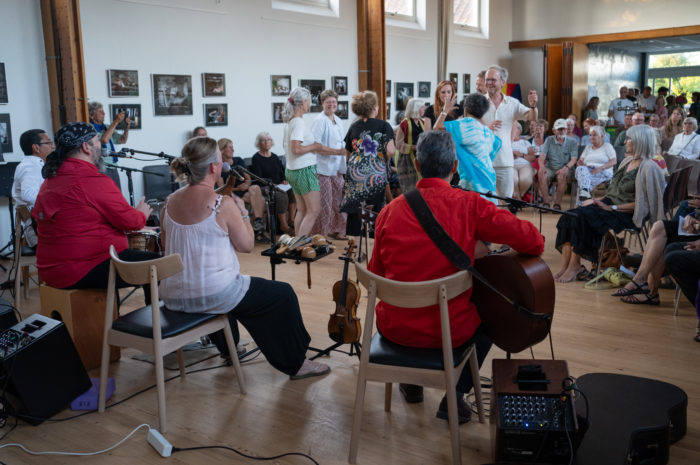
(226, 168)
(121, 154)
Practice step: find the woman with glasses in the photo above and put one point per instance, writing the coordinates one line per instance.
(634, 196)
(687, 143)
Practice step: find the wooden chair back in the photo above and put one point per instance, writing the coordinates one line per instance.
(138, 273)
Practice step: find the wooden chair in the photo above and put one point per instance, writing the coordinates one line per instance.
(386, 362)
(158, 333)
(21, 262)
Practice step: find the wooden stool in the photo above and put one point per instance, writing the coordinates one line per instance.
(82, 311)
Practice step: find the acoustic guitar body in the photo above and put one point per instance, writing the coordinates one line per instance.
(526, 280)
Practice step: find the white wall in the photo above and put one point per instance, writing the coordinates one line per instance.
(540, 19)
(22, 51)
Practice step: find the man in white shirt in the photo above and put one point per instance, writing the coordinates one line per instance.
(619, 107)
(36, 145)
(646, 101)
(502, 112)
(687, 143)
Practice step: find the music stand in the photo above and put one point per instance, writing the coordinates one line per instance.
(7, 176)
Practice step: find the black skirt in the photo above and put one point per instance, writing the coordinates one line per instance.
(585, 231)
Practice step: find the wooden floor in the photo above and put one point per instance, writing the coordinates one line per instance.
(593, 331)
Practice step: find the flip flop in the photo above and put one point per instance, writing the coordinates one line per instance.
(649, 299)
(639, 289)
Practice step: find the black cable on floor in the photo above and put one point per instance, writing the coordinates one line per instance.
(288, 454)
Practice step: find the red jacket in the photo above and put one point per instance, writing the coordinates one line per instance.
(80, 213)
(404, 252)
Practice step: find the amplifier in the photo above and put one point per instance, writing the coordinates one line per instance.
(7, 315)
(41, 366)
(531, 421)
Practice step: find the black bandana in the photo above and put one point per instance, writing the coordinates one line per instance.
(69, 137)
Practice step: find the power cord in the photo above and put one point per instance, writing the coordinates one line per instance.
(287, 454)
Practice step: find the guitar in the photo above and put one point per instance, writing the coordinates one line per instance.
(527, 281)
(343, 325)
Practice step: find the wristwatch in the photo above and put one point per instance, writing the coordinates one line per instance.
(614, 207)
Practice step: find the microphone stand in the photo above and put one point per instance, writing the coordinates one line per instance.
(130, 182)
(516, 204)
(168, 158)
(271, 210)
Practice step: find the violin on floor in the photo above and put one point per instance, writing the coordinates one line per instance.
(344, 326)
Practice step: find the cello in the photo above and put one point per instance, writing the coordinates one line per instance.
(344, 326)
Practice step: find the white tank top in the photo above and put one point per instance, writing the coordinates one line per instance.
(211, 281)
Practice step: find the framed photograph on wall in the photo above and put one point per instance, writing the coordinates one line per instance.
(466, 83)
(404, 91)
(3, 85)
(277, 108)
(5, 133)
(454, 77)
(132, 110)
(340, 84)
(172, 94)
(213, 84)
(424, 89)
(315, 86)
(342, 111)
(216, 114)
(123, 83)
(388, 88)
(388, 111)
(281, 84)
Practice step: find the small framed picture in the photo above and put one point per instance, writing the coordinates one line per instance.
(424, 89)
(133, 112)
(454, 77)
(5, 133)
(340, 84)
(3, 85)
(315, 86)
(388, 111)
(281, 84)
(342, 111)
(216, 114)
(214, 84)
(123, 83)
(277, 108)
(466, 83)
(172, 94)
(404, 91)
(388, 87)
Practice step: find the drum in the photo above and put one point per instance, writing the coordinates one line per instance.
(147, 240)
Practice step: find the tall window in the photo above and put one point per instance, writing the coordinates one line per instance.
(680, 72)
(400, 9)
(466, 14)
(313, 7)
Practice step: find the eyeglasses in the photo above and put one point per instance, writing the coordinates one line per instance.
(50, 142)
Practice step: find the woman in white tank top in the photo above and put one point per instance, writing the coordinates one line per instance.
(207, 229)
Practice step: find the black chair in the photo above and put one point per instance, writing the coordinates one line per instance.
(113, 173)
(158, 182)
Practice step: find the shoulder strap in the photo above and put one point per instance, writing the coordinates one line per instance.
(451, 250)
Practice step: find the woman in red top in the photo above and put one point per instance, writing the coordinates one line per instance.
(80, 212)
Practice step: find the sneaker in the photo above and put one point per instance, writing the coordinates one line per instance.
(310, 369)
(258, 224)
(464, 413)
(584, 194)
(411, 393)
(261, 237)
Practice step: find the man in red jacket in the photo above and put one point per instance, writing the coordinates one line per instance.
(404, 252)
(80, 212)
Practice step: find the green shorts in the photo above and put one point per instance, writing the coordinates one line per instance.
(303, 181)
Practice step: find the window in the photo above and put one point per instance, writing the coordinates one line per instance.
(465, 14)
(403, 10)
(314, 7)
(680, 72)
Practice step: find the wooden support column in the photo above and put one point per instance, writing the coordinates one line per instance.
(371, 52)
(65, 64)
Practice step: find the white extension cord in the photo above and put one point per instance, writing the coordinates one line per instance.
(155, 439)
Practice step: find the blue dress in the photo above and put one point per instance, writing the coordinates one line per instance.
(477, 146)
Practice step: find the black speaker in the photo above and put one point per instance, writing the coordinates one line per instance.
(41, 368)
(7, 315)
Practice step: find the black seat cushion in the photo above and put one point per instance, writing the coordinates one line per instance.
(140, 323)
(385, 352)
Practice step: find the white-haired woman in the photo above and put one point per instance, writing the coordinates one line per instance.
(207, 230)
(268, 165)
(635, 194)
(327, 130)
(300, 148)
(595, 165)
(686, 144)
(571, 130)
(406, 138)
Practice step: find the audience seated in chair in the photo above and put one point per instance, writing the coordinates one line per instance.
(556, 163)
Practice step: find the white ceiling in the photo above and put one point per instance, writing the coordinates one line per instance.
(663, 45)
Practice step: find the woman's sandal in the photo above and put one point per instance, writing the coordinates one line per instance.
(649, 299)
(583, 274)
(639, 289)
(556, 206)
